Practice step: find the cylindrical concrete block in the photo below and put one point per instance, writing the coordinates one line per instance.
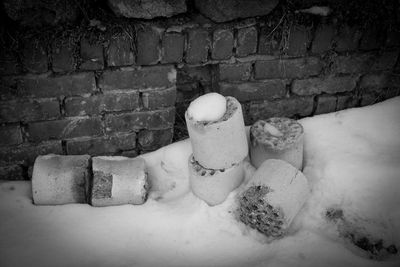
(277, 138)
(272, 198)
(214, 186)
(118, 181)
(219, 144)
(59, 179)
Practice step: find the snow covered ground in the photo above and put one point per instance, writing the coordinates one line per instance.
(352, 161)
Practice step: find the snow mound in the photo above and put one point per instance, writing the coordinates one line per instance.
(208, 107)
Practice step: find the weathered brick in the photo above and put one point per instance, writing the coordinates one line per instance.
(148, 50)
(323, 38)
(62, 129)
(246, 41)
(392, 37)
(138, 78)
(12, 172)
(34, 56)
(222, 44)
(235, 72)
(368, 99)
(53, 86)
(27, 153)
(154, 139)
(157, 98)
(385, 61)
(299, 39)
(269, 89)
(173, 45)
(376, 82)
(130, 153)
(104, 145)
(287, 68)
(346, 101)
(8, 63)
(152, 120)
(269, 42)
(328, 85)
(8, 87)
(347, 39)
(63, 57)
(325, 104)
(10, 135)
(91, 55)
(189, 74)
(371, 38)
(119, 52)
(29, 110)
(198, 45)
(288, 107)
(97, 104)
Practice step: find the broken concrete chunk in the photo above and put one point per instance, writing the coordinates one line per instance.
(277, 138)
(59, 179)
(214, 186)
(119, 181)
(222, 143)
(272, 198)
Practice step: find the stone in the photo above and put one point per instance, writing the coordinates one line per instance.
(147, 9)
(42, 13)
(59, 179)
(226, 10)
(119, 181)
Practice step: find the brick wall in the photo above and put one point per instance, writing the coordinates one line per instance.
(115, 98)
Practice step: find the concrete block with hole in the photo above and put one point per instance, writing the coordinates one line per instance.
(59, 179)
(119, 181)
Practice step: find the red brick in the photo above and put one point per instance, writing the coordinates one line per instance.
(188, 74)
(97, 104)
(12, 172)
(323, 38)
(269, 42)
(91, 55)
(119, 52)
(328, 85)
(347, 39)
(198, 45)
(29, 110)
(10, 135)
(368, 99)
(63, 59)
(235, 72)
(385, 60)
(53, 86)
(138, 78)
(148, 50)
(104, 145)
(245, 91)
(222, 44)
(325, 104)
(371, 38)
(152, 120)
(27, 153)
(346, 101)
(8, 87)
(392, 37)
(298, 42)
(62, 129)
(34, 56)
(153, 139)
(173, 45)
(287, 68)
(8, 63)
(246, 41)
(288, 107)
(376, 82)
(157, 98)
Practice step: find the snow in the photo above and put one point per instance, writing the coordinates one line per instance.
(269, 128)
(351, 162)
(208, 107)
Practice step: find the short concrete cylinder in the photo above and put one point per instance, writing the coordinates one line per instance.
(59, 179)
(118, 181)
(219, 144)
(214, 186)
(272, 198)
(277, 138)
